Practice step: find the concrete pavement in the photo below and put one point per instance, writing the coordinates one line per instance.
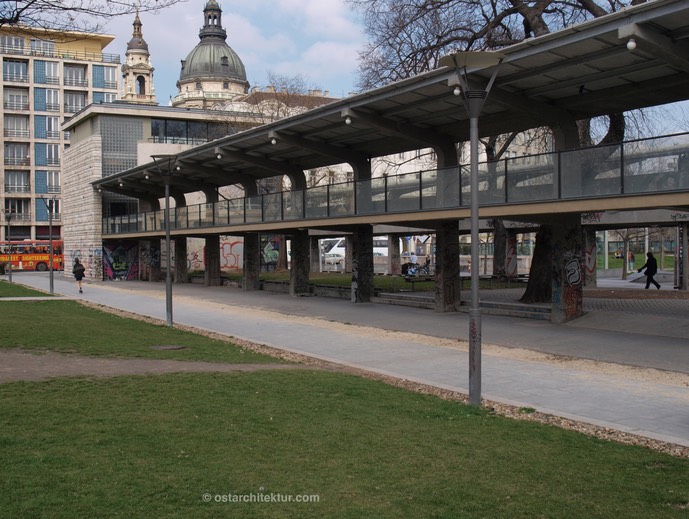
(421, 345)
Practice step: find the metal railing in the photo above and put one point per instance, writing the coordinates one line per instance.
(61, 54)
(636, 167)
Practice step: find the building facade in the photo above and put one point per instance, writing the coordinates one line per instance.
(46, 78)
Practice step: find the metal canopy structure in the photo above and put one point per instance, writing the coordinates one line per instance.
(577, 73)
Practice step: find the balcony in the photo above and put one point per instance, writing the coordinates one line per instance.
(73, 108)
(52, 107)
(16, 133)
(52, 190)
(80, 82)
(52, 161)
(17, 189)
(61, 54)
(16, 78)
(15, 105)
(17, 161)
(21, 217)
(53, 134)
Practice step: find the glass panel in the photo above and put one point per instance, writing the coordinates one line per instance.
(272, 207)
(179, 219)
(293, 205)
(404, 193)
(531, 178)
(342, 199)
(150, 221)
(253, 209)
(222, 215)
(194, 215)
(590, 172)
(317, 202)
(654, 165)
(235, 208)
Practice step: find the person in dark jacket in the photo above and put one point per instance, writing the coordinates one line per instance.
(78, 270)
(651, 267)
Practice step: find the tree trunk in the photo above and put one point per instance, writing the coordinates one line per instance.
(499, 248)
(539, 289)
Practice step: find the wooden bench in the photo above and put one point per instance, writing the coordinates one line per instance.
(417, 279)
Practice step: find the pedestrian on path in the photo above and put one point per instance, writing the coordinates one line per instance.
(78, 270)
(651, 267)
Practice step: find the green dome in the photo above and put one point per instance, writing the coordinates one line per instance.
(212, 58)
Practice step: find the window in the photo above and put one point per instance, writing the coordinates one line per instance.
(53, 178)
(42, 47)
(75, 76)
(52, 127)
(12, 44)
(16, 126)
(17, 182)
(74, 101)
(16, 99)
(16, 154)
(52, 100)
(109, 97)
(53, 154)
(52, 72)
(14, 70)
(110, 76)
(19, 208)
(198, 85)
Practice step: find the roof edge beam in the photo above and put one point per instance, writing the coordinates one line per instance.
(673, 52)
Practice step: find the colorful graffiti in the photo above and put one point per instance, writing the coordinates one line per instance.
(120, 261)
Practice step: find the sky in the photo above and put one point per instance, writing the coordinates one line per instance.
(317, 39)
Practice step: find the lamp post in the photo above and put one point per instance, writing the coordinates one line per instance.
(8, 218)
(473, 99)
(50, 204)
(166, 165)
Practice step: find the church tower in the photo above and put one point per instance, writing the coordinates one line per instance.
(137, 71)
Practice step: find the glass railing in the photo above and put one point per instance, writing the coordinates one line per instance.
(636, 167)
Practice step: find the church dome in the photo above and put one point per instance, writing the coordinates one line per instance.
(212, 58)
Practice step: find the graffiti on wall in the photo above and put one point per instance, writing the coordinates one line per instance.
(231, 253)
(120, 261)
(91, 258)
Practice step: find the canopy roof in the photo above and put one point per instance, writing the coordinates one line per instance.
(577, 73)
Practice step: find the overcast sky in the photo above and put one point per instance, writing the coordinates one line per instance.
(318, 39)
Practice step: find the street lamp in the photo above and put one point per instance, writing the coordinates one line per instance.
(167, 165)
(50, 204)
(8, 219)
(473, 99)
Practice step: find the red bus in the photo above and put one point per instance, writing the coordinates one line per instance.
(31, 254)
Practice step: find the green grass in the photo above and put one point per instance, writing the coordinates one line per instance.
(69, 327)
(141, 447)
(8, 289)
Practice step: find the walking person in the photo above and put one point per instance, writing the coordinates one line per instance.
(78, 271)
(651, 267)
(631, 261)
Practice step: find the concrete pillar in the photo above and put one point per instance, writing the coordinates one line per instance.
(685, 256)
(511, 257)
(447, 295)
(181, 265)
(252, 262)
(590, 258)
(394, 256)
(314, 254)
(363, 256)
(568, 269)
(212, 262)
(299, 269)
(349, 252)
(149, 260)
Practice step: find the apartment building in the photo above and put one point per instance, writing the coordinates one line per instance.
(47, 76)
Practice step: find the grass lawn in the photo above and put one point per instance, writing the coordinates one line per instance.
(162, 446)
(192, 445)
(69, 327)
(8, 289)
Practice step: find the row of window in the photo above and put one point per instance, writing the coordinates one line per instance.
(45, 127)
(21, 209)
(19, 154)
(48, 72)
(45, 182)
(48, 99)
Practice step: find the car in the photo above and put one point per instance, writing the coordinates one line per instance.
(333, 259)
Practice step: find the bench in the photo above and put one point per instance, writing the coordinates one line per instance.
(511, 279)
(417, 279)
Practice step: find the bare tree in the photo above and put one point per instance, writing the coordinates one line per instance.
(73, 15)
(407, 37)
